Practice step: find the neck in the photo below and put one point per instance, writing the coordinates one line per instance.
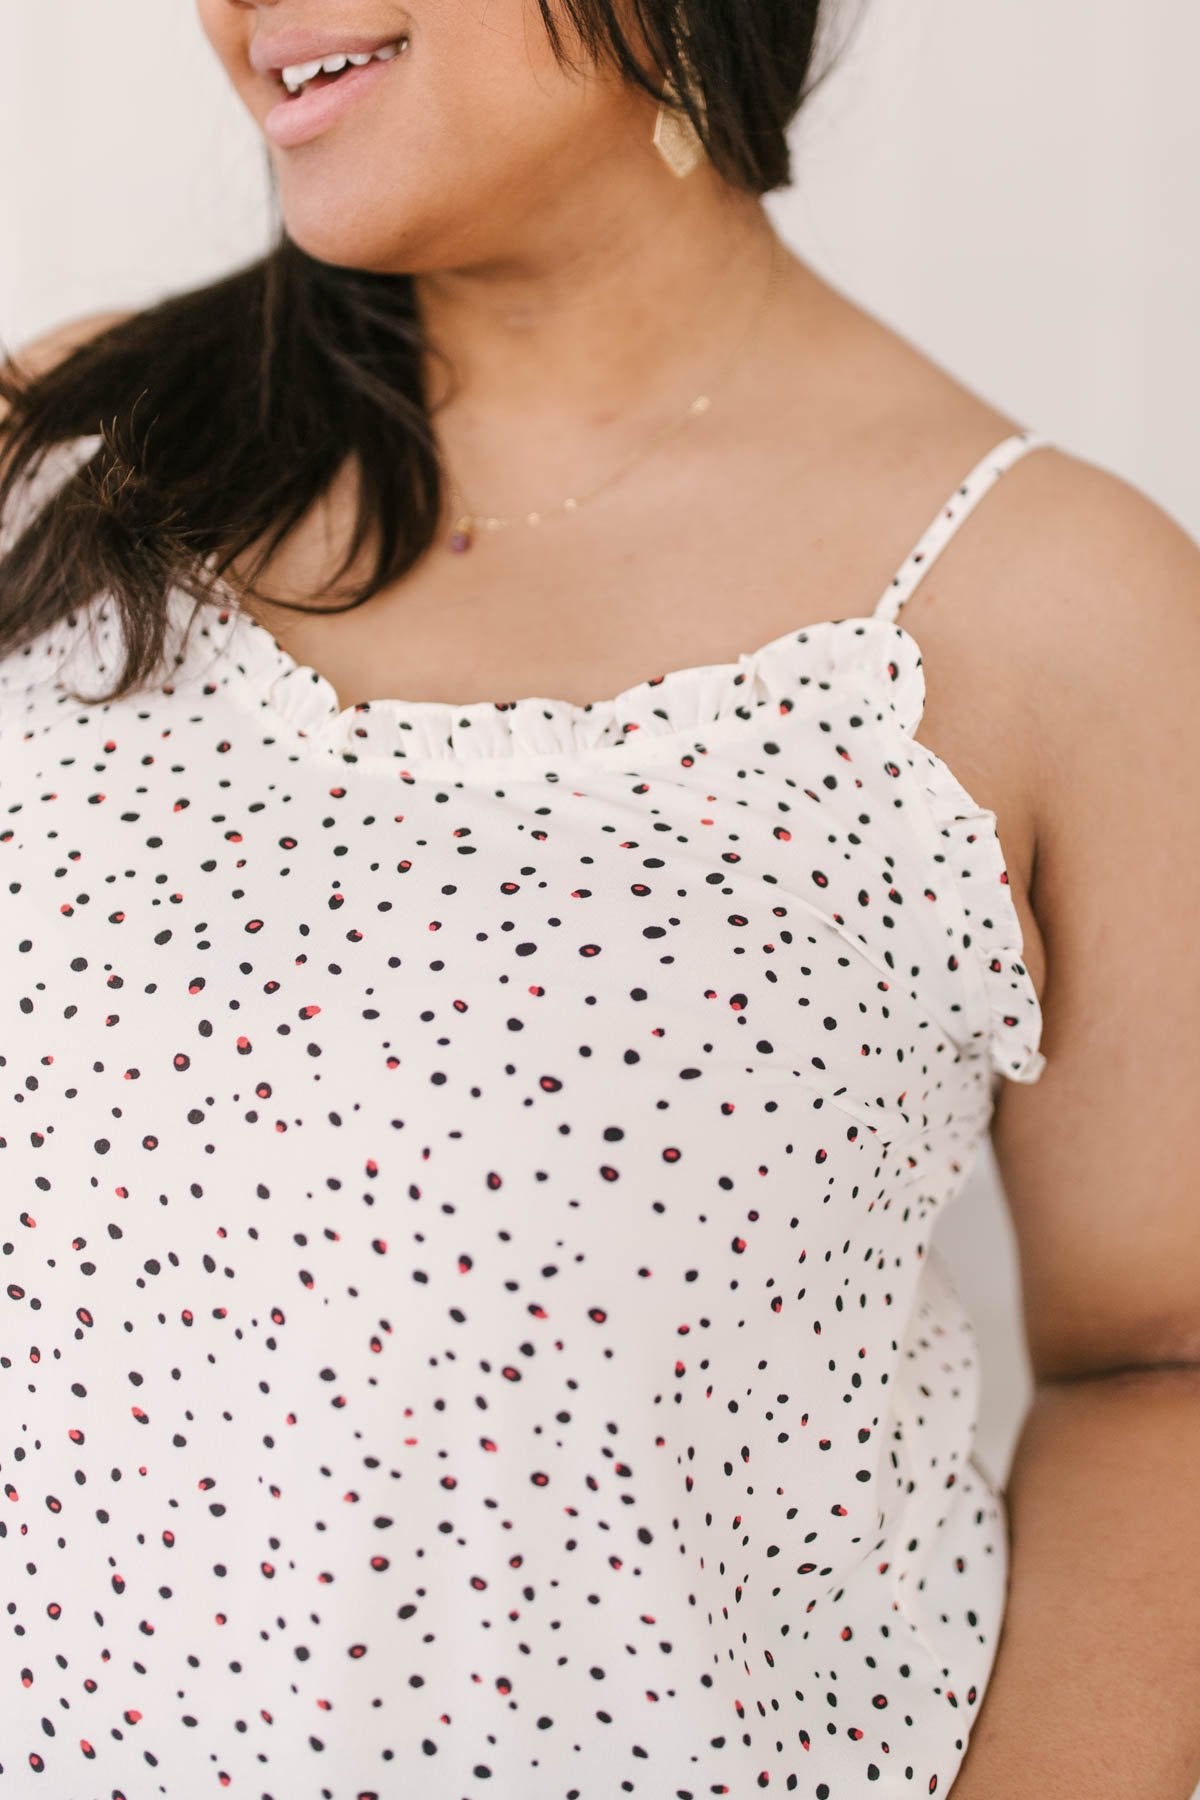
(599, 316)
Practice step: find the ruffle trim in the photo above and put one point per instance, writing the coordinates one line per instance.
(870, 656)
(841, 659)
(1009, 1008)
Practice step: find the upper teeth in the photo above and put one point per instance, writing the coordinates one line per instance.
(297, 75)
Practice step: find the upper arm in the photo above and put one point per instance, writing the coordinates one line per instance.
(1098, 1157)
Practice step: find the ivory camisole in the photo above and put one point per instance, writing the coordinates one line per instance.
(466, 1180)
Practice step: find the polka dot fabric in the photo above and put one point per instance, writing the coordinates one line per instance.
(466, 1178)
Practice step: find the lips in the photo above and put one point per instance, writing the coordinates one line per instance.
(324, 101)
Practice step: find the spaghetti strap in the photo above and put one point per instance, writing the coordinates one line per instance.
(960, 504)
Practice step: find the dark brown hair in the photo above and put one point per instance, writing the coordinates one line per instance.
(223, 414)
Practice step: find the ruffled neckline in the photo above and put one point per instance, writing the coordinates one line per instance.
(868, 658)
(228, 646)
(689, 708)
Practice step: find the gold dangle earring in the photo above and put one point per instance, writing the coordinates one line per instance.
(675, 137)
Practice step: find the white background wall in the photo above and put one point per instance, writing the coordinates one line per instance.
(1015, 187)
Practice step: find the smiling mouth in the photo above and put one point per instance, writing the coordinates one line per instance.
(304, 112)
(319, 77)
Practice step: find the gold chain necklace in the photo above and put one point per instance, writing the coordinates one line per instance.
(467, 523)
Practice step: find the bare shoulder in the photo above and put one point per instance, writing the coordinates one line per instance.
(1081, 523)
(1085, 594)
(1099, 588)
(1069, 593)
(42, 353)
(1104, 590)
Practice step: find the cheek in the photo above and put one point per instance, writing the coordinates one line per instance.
(487, 73)
(228, 30)
(485, 106)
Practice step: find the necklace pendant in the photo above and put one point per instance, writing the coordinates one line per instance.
(463, 535)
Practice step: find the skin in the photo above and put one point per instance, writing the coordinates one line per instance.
(584, 296)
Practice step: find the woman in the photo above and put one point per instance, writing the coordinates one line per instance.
(470, 1161)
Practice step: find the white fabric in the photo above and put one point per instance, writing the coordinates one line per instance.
(467, 1179)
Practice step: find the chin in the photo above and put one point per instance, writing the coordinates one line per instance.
(350, 237)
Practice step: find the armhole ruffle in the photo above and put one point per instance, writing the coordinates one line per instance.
(1010, 1007)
